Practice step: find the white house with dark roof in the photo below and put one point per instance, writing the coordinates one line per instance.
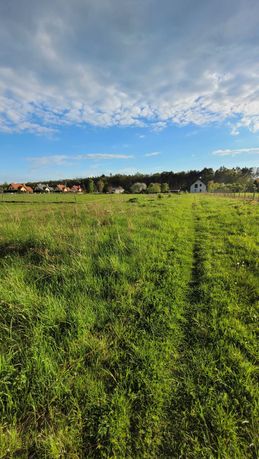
(198, 187)
(42, 188)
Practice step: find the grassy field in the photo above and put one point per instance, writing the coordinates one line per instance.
(128, 327)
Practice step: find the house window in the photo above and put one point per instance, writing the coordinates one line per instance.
(196, 185)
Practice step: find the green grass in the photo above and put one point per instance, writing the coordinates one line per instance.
(128, 327)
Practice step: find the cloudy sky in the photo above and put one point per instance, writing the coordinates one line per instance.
(104, 86)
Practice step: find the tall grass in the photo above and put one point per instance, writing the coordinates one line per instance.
(128, 328)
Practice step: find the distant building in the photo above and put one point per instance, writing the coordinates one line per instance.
(42, 188)
(19, 188)
(16, 187)
(118, 190)
(198, 187)
(62, 188)
(28, 189)
(76, 189)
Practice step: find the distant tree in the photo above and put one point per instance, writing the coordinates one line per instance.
(108, 188)
(226, 187)
(90, 186)
(138, 187)
(164, 187)
(100, 185)
(237, 187)
(213, 186)
(154, 188)
(207, 174)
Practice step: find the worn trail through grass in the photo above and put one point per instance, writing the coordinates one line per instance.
(214, 409)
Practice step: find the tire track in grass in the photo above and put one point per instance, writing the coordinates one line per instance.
(182, 423)
(212, 407)
(144, 337)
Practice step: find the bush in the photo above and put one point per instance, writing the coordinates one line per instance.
(154, 188)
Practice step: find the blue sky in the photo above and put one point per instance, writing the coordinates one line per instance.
(107, 86)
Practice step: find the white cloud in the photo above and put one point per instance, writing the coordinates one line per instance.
(93, 62)
(52, 160)
(234, 152)
(67, 160)
(154, 153)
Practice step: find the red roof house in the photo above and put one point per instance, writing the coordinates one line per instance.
(76, 189)
(19, 188)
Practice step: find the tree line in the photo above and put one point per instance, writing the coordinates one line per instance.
(222, 179)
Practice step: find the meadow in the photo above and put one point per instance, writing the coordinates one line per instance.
(128, 327)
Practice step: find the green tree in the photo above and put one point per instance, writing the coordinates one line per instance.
(213, 186)
(164, 187)
(100, 185)
(237, 187)
(207, 174)
(138, 187)
(107, 188)
(154, 188)
(90, 186)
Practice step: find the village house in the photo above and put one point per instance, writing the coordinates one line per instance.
(198, 187)
(16, 188)
(76, 189)
(62, 188)
(42, 188)
(19, 188)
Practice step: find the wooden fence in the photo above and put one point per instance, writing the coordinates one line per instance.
(253, 196)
